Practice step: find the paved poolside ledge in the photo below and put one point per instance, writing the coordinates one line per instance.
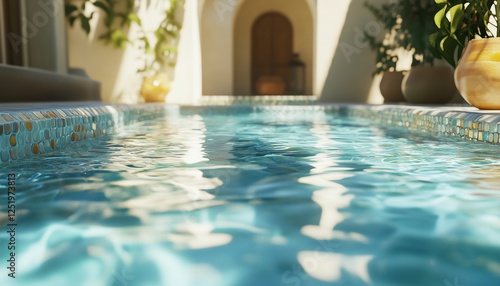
(30, 129)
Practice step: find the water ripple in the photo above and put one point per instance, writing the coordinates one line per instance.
(259, 199)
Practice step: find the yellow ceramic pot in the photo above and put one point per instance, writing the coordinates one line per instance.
(429, 85)
(155, 88)
(478, 74)
(390, 87)
(271, 85)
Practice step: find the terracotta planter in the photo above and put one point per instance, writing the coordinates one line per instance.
(271, 85)
(155, 88)
(390, 87)
(429, 85)
(478, 74)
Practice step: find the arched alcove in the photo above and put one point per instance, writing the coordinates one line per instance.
(226, 41)
(301, 17)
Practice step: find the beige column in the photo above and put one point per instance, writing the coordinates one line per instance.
(344, 63)
(3, 54)
(186, 87)
(44, 33)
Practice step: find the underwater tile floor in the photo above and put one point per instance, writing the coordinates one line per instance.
(30, 129)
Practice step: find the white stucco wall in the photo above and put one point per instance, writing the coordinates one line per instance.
(344, 64)
(217, 46)
(340, 65)
(116, 68)
(186, 88)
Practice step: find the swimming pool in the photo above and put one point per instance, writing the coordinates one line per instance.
(257, 196)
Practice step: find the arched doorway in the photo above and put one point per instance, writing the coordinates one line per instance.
(226, 41)
(272, 47)
(300, 16)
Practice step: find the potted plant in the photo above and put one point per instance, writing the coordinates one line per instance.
(161, 55)
(159, 47)
(386, 50)
(426, 82)
(408, 25)
(469, 31)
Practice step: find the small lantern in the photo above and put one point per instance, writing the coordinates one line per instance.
(297, 76)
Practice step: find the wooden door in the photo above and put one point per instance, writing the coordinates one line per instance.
(272, 47)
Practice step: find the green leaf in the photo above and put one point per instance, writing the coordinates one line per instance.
(438, 18)
(147, 45)
(134, 19)
(456, 17)
(448, 47)
(118, 39)
(434, 39)
(72, 20)
(130, 4)
(85, 23)
(486, 18)
(69, 9)
(103, 6)
(457, 40)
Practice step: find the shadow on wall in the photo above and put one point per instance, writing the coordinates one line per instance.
(349, 78)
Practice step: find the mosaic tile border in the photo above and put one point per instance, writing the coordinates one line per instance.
(463, 122)
(30, 129)
(456, 121)
(27, 129)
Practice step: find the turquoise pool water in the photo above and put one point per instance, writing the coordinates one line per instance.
(275, 197)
